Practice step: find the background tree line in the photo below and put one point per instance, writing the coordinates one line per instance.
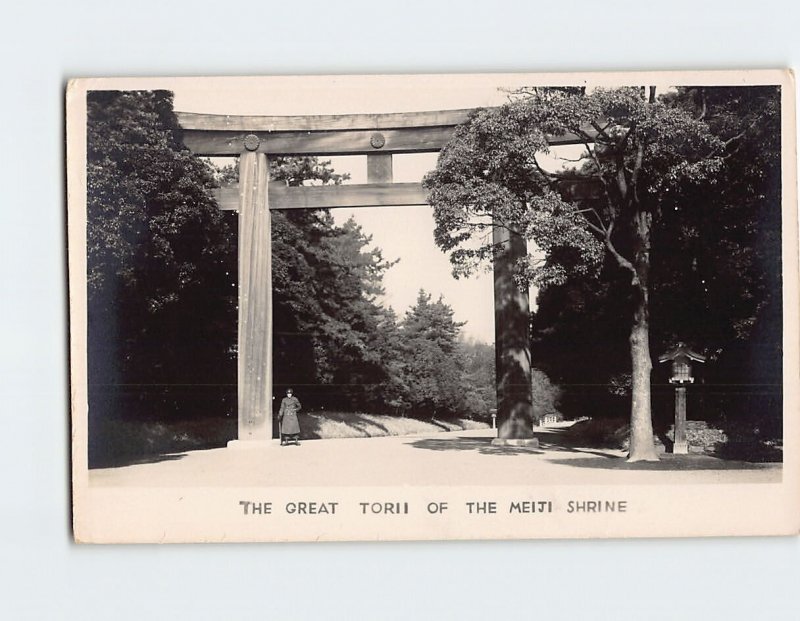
(162, 294)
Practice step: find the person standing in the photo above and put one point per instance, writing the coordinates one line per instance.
(287, 419)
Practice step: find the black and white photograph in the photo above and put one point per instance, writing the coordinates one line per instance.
(476, 306)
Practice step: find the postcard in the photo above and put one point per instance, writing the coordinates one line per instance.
(433, 307)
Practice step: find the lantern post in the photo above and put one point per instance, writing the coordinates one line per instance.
(681, 357)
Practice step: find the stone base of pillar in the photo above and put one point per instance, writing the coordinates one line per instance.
(680, 448)
(251, 444)
(529, 442)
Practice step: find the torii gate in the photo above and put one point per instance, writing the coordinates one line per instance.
(378, 136)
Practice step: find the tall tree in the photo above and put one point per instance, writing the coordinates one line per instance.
(433, 368)
(641, 152)
(159, 252)
(326, 281)
(479, 369)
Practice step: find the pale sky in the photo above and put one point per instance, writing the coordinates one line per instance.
(401, 232)
(407, 233)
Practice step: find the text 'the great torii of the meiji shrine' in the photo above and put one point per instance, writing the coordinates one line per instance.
(379, 137)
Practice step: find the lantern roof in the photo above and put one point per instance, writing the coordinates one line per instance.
(681, 350)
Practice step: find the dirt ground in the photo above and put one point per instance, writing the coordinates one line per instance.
(449, 458)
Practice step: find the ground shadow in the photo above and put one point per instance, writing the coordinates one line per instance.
(127, 460)
(311, 424)
(115, 442)
(668, 462)
(436, 423)
(595, 458)
(364, 427)
(309, 427)
(552, 446)
(483, 446)
(750, 450)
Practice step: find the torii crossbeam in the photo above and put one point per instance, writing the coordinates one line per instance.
(379, 137)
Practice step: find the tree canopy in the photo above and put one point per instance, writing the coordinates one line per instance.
(637, 151)
(646, 159)
(156, 245)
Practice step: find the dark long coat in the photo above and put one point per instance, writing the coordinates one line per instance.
(287, 416)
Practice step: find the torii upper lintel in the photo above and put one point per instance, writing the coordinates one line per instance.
(344, 134)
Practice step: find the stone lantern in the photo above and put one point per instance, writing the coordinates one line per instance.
(681, 357)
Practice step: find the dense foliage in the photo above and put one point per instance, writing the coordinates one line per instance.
(716, 283)
(160, 263)
(445, 376)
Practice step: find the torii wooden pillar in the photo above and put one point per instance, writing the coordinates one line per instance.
(378, 136)
(255, 300)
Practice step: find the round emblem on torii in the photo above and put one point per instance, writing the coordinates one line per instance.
(377, 140)
(251, 142)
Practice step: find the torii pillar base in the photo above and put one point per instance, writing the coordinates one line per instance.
(250, 444)
(528, 442)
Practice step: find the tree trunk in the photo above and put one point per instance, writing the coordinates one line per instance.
(642, 446)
